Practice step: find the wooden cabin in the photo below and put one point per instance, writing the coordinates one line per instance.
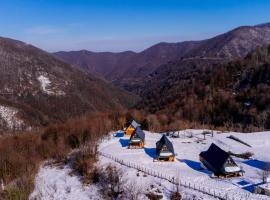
(164, 149)
(219, 162)
(132, 127)
(137, 139)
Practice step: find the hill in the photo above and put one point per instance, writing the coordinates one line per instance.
(205, 91)
(129, 68)
(36, 88)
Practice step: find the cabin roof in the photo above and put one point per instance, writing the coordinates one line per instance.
(139, 133)
(164, 140)
(215, 156)
(134, 124)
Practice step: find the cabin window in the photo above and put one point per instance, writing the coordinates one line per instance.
(164, 148)
(136, 137)
(230, 162)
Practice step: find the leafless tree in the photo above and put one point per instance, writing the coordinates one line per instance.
(133, 191)
(111, 182)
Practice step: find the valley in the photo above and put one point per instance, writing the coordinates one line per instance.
(134, 100)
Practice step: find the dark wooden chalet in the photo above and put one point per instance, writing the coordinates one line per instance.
(219, 162)
(137, 138)
(164, 149)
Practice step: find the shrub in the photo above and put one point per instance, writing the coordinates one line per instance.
(111, 182)
(176, 196)
(95, 175)
(73, 141)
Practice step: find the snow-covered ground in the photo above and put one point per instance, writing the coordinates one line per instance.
(187, 164)
(56, 183)
(9, 116)
(149, 184)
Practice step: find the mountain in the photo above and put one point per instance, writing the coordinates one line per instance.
(129, 68)
(36, 88)
(208, 92)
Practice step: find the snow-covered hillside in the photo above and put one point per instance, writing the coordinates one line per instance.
(56, 183)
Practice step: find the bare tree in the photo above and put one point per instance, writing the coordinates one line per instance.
(133, 191)
(111, 182)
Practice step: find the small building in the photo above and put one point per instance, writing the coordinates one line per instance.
(263, 188)
(137, 139)
(164, 149)
(219, 162)
(131, 128)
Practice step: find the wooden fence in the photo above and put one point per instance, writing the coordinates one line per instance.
(179, 182)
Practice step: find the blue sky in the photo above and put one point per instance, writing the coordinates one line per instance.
(118, 25)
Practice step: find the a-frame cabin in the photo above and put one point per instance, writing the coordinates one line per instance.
(219, 162)
(137, 139)
(164, 149)
(132, 127)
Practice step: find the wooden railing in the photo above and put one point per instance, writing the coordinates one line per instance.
(178, 182)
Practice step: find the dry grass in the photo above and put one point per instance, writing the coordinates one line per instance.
(22, 154)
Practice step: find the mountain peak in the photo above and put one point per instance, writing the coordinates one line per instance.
(263, 25)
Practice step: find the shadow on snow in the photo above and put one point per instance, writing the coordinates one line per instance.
(124, 142)
(250, 188)
(151, 152)
(256, 163)
(119, 134)
(195, 166)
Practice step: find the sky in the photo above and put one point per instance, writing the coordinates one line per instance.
(120, 25)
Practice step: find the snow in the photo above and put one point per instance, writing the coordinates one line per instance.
(45, 83)
(46, 86)
(165, 154)
(9, 115)
(136, 140)
(187, 164)
(265, 186)
(146, 184)
(232, 169)
(54, 183)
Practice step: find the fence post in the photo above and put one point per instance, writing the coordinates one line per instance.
(161, 176)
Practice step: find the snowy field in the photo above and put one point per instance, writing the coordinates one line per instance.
(55, 183)
(187, 165)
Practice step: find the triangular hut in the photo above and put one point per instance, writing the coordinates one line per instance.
(137, 138)
(164, 149)
(219, 162)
